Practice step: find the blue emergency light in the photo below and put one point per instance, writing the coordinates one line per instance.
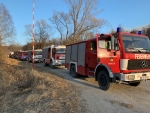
(119, 29)
(139, 32)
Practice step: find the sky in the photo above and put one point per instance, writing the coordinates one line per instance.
(129, 13)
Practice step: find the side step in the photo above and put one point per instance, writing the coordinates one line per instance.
(91, 74)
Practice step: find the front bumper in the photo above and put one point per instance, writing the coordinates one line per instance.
(60, 62)
(24, 58)
(37, 60)
(135, 76)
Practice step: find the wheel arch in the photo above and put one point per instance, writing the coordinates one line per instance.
(43, 60)
(73, 63)
(51, 60)
(100, 67)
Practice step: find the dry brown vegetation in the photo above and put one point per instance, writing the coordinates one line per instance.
(3, 53)
(25, 91)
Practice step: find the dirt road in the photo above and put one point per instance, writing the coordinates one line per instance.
(122, 98)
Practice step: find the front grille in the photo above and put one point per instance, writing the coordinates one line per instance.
(138, 64)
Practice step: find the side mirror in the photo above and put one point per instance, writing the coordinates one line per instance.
(112, 42)
(54, 51)
(116, 45)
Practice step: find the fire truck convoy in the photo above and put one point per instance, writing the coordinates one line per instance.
(54, 55)
(107, 58)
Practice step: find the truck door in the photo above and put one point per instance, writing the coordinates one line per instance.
(106, 55)
(92, 54)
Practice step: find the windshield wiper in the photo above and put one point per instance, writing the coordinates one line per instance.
(135, 49)
(147, 50)
(138, 50)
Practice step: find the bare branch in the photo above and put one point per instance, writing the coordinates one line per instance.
(43, 31)
(7, 29)
(80, 19)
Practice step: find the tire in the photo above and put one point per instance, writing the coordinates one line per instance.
(44, 63)
(104, 80)
(51, 65)
(134, 83)
(73, 72)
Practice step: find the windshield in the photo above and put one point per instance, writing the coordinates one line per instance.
(135, 43)
(38, 52)
(60, 50)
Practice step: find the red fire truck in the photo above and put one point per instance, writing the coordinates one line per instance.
(37, 55)
(54, 55)
(16, 54)
(108, 58)
(22, 55)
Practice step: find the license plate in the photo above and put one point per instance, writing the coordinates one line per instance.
(144, 77)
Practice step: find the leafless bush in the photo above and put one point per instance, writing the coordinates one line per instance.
(24, 78)
(38, 92)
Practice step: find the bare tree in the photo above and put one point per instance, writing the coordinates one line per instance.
(7, 29)
(27, 46)
(133, 31)
(80, 19)
(14, 47)
(61, 21)
(28, 30)
(43, 31)
(145, 30)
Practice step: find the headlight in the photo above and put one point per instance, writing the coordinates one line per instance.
(130, 77)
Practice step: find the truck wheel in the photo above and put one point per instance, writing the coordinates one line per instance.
(104, 80)
(73, 72)
(45, 63)
(134, 83)
(51, 65)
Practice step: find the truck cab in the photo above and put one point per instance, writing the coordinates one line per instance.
(37, 55)
(54, 55)
(125, 58)
(22, 55)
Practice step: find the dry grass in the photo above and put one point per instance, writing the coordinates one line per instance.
(27, 91)
(2, 53)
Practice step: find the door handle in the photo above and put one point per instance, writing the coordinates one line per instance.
(115, 53)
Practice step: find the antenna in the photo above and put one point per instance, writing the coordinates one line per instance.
(33, 35)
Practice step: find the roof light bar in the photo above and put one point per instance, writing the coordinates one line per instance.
(139, 32)
(119, 29)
